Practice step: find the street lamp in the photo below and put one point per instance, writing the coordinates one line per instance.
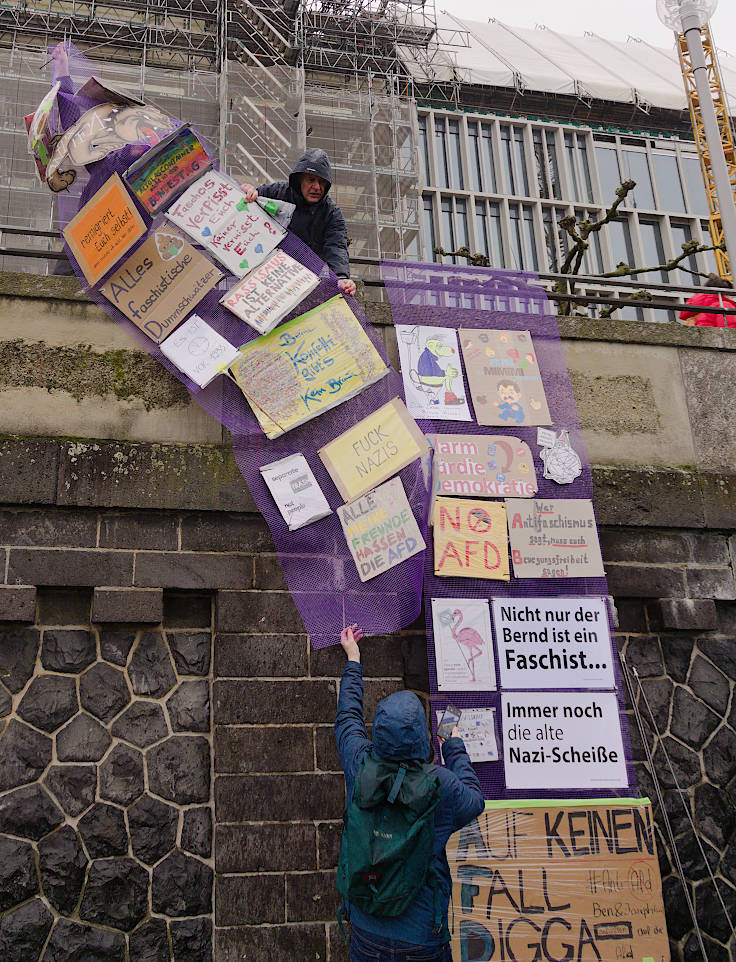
(688, 16)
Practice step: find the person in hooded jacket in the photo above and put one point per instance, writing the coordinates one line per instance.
(694, 318)
(400, 733)
(317, 220)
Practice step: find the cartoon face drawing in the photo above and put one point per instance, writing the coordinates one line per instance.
(509, 392)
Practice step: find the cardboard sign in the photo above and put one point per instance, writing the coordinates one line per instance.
(574, 880)
(244, 238)
(432, 372)
(160, 284)
(205, 203)
(554, 539)
(307, 366)
(198, 350)
(562, 740)
(478, 731)
(166, 170)
(380, 529)
(503, 374)
(470, 539)
(482, 466)
(374, 449)
(270, 292)
(553, 643)
(463, 644)
(104, 229)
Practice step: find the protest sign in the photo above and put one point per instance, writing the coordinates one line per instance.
(166, 170)
(380, 529)
(244, 238)
(554, 539)
(198, 350)
(104, 229)
(204, 205)
(158, 285)
(270, 292)
(553, 643)
(470, 539)
(307, 366)
(432, 372)
(556, 740)
(374, 449)
(463, 644)
(576, 881)
(482, 466)
(477, 728)
(503, 374)
(295, 490)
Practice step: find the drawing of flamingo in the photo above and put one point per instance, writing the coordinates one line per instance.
(466, 637)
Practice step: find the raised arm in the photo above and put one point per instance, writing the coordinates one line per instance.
(350, 731)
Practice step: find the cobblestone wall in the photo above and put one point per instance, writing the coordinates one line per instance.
(126, 603)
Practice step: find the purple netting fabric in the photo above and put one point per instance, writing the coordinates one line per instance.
(471, 297)
(316, 561)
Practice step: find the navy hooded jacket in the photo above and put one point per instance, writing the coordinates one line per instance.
(321, 226)
(400, 733)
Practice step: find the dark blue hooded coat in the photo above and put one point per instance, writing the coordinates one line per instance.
(400, 732)
(321, 226)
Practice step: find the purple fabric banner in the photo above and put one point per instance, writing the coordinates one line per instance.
(483, 298)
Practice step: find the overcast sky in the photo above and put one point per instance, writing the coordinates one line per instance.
(612, 19)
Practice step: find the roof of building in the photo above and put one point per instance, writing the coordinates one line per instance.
(544, 60)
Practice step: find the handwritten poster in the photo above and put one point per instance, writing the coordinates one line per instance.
(503, 374)
(307, 366)
(380, 529)
(161, 283)
(166, 170)
(553, 643)
(470, 539)
(208, 201)
(432, 372)
(568, 880)
(482, 466)
(554, 539)
(270, 292)
(373, 450)
(198, 350)
(463, 644)
(104, 229)
(562, 740)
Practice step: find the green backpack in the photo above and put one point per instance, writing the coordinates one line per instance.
(388, 837)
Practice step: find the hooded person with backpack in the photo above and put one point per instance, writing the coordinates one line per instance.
(317, 220)
(400, 811)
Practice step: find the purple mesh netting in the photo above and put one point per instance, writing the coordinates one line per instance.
(317, 565)
(449, 296)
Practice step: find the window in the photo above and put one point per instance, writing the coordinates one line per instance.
(508, 159)
(681, 234)
(481, 228)
(608, 173)
(489, 168)
(424, 150)
(636, 167)
(669, 187)
(553, 167)
(523, 240)
(652, 247)
(447, 230)
(698, 200)
(531, 260)
(572, 167)
(584, 167)
(620, 236)
(461, 221)
(456, 163)
(476, 163)
(517, 243)
(521, 160)
(592, 259)
(540, 162)
(429, 235)
(441, 145)
(497, 258)
(550, 239)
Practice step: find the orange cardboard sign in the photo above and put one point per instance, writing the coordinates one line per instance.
(470, 539)
(104, 229)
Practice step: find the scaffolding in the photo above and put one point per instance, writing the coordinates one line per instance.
(724, 125)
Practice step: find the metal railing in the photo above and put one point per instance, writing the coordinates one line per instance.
(599, 291)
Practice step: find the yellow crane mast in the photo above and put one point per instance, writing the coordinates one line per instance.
(724, 125)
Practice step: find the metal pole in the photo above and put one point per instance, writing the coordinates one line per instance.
(721, 179)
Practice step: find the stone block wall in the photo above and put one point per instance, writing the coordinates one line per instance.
(169, 786)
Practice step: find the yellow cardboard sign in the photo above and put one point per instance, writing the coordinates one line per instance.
(373, 450)
(104, 229)
(307, 366)
(470, 539)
